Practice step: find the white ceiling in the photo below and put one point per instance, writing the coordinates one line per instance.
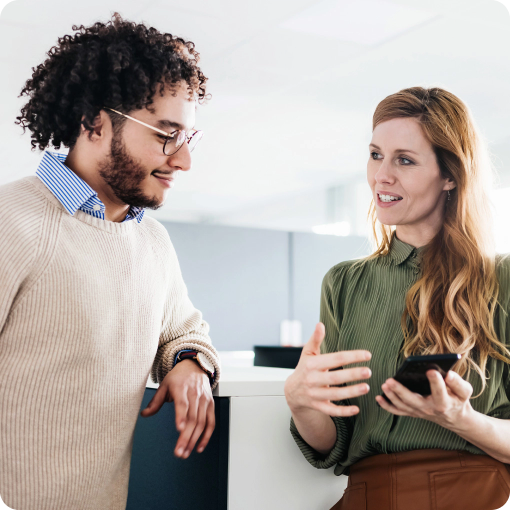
(294, 84)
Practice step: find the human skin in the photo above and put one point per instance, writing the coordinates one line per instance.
(91, 155)
(413, 174)
(142, 158)
(402, 163)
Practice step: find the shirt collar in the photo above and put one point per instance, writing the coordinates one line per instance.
(401, 252)
(72, 191)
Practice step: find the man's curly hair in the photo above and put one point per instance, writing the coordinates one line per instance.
(119, 64)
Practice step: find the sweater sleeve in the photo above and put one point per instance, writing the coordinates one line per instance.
(19, 246)
(182, 325)
(330, 316)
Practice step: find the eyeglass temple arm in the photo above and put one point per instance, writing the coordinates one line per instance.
(140, 122)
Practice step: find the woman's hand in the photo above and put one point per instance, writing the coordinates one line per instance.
(446, 405)
(312, 384)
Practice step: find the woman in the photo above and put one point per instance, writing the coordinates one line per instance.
(433, 285)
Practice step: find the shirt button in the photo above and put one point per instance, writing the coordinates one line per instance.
(96, 207)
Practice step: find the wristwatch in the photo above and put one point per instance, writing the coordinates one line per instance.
(201, 359)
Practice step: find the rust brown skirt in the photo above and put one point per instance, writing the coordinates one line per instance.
(426, 480)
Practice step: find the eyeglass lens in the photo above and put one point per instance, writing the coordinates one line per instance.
(172, 145)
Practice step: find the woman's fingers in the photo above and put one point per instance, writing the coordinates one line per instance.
(346, 392)
(338, 359)
(399, 398)
(387, 406)
(438, 389)
(461, 388)
(336, 410)
(347, 375)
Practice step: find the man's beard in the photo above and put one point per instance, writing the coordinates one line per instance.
(125, 176)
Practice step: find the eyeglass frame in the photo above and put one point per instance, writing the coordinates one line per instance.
(169, 136)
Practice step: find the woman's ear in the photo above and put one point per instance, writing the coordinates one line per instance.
(449, 185)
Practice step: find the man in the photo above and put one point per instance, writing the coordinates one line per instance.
(92, 299)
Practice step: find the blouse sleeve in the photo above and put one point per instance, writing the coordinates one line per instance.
(502, 325)
(331, 317)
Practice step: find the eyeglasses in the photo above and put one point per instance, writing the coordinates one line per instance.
(174, 140)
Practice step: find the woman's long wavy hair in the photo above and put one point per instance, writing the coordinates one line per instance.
(450, 309)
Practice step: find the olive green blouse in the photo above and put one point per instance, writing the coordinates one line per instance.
(361, 308)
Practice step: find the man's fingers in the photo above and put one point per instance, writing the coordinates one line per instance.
(211, 423)
(156, 402)
(181, 412)
(339, 359)
(190, 424)
(313, 347)
(197, 432)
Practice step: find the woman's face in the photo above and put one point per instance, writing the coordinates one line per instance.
(405, 179)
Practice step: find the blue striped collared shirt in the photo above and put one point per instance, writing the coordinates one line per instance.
(74, 193)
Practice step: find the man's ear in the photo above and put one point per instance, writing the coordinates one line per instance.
(96, 130)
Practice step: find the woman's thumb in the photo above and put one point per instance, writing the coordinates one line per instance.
(313, 346)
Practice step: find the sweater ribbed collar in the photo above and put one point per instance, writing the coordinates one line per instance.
(105, 225)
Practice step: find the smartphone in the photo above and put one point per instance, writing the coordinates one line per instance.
(413, 372)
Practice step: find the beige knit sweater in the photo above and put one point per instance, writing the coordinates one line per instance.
(87, 308)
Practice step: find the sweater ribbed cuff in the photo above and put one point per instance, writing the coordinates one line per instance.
(165, 360)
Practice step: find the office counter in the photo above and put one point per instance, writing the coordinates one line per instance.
(251, 462)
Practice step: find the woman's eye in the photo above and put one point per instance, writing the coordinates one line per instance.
(162, 138)
(406, 161)
(374, 155)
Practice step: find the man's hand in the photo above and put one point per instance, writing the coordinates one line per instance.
(188, 386)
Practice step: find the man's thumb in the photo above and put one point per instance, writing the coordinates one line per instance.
(314, 344)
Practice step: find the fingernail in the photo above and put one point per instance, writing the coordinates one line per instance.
(179, 451)
(200, 450)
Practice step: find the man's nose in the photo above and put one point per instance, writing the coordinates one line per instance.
(181, 160)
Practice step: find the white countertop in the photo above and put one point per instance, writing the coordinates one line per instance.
(248, 381)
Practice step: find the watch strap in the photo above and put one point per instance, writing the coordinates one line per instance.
(188, 354)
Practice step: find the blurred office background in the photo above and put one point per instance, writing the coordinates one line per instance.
(277, 194)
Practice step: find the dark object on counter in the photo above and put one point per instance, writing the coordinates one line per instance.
(276, 356)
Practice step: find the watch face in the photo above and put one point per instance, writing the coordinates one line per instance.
(205, 363)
